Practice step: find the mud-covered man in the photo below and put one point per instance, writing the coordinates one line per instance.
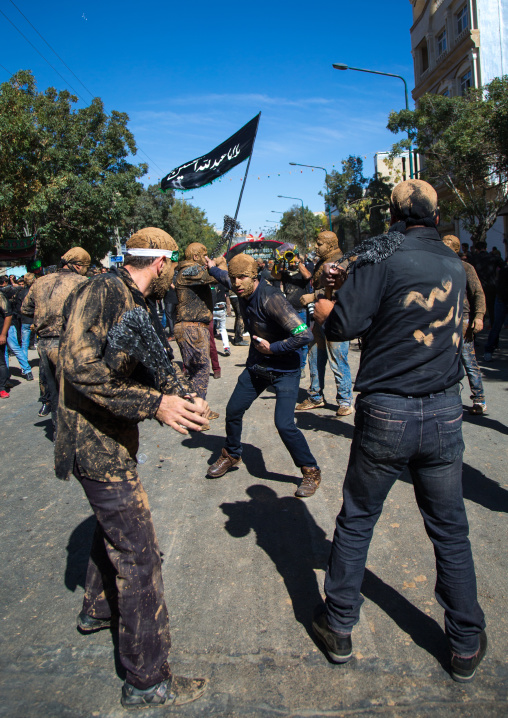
(322, 349)
(45, 302)
(104, 394)
(277, 332)
(194, 312)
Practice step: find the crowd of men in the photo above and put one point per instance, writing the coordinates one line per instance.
(107, 365)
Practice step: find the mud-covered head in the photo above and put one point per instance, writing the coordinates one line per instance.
(147, 245)
(243, 272)
(414, 202)
(76, 259)
(221, 263)
(196, 251)
(326, 243)
(28, 279)
(453, 242)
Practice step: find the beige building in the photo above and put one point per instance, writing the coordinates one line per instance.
(458, 44)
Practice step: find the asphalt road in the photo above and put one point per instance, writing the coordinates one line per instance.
(243, 566)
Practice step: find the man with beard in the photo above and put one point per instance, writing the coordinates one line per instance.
(104, 394)
(277, 334)
(45, 302)
(327, 249)
(194, 312)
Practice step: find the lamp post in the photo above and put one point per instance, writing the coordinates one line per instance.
(342, 66)
(317, 167)
(284, 196)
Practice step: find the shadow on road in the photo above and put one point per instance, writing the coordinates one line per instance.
(78, 551)
(313, 421)
(485, 422)
(484, 491)
(47, 425)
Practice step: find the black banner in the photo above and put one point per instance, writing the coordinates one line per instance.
(223, 158)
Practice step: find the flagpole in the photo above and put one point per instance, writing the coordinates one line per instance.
(244, 180)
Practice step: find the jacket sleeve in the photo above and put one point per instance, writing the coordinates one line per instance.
(82, 356)
(280, 310)
(221, 276)
(28, 306)
(356, 302)
(478, 306)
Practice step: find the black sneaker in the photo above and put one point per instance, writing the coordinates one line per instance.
(175, 691)
(338, 647)
(89, 624)
(464, 669)
(44, 410)
(28, 376)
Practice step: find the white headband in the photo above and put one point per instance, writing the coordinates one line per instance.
(147, 252)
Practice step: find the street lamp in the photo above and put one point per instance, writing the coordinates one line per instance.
(342, 66)
(284, 196)
(316, 167)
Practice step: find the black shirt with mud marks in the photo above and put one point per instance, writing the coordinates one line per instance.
(408, 310)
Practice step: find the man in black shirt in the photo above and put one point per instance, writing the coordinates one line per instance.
(404, 296)
(277, 333)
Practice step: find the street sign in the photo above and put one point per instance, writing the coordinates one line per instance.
(116, 259)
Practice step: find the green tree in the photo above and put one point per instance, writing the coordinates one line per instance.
(292, 227)
(64, 175)
(464, 145)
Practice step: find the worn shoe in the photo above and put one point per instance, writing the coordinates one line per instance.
(310, 482)
(216, 374)
(344, 410)
(44, 410)
(487, 356)
(464, 669)
(224, 463)
(339, 647)
(310, 404)
(175, 691)
(213, 415)
(241, 343)
(227, 352)
(479, 407)
(89, 624)
(4, 394)
(28, 376)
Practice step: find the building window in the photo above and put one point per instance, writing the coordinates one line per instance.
(424, 53)
(462, 19)
(441, 43)
(465, 82)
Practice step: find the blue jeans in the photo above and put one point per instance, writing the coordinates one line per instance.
(500, 312)
(473, 372)
(20, 352)
(425, 435)
(337, 353)
(247, 389)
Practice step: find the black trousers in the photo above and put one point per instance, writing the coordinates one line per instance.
(48, 353)
(4, 372)
(124, 578)
(239, 327)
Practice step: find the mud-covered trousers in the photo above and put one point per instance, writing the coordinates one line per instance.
(48, 353)
(193, 339)
(124, 578)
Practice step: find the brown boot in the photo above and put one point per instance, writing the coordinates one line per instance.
(223, 464)
(310, 482)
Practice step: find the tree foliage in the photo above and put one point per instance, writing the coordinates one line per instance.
(464, 145)
(63, 172)
(292, 227)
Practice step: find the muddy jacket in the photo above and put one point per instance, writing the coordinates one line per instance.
(5, 311)
(103, 393)
(194, 293)
(474, 299)
(268, 314)
(46, 298)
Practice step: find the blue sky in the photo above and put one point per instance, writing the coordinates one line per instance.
(191, 74)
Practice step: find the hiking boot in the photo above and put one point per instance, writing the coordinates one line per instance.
(310, 482)
(175, 691)
(224, 463)
(309, 404)
(339, 647)
(344, 410)
(44, 410)
(479, 407)
(464, 669)
(89, 624)
(213, 415)
(28, 376)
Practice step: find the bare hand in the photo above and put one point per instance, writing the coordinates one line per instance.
(210, 262)
(333, 276)
(477, 325)
(179, 413)
(322, 310)
(3, 340)
(307, 299)
(262, 345)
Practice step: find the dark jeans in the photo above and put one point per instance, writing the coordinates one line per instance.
(239, 327)
(4, 370)
(48, 353)
(473, 371)
(248, 388)
(124, 578)
(214, 357)
(500, 312)
(424, 435)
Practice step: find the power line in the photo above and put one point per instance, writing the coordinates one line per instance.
(7, 71)
(51, 48)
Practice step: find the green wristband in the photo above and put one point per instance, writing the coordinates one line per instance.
(299, 330)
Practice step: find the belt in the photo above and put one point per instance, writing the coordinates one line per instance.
(451, 391)
(193, 324)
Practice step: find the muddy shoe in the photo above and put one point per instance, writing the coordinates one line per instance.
(175, 691)
(479, 408)
(464, 669)
(309, 404)
(344, 410)
(310, 482)
(89, 624)
(223, 464)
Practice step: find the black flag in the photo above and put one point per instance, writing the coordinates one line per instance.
(223, 158)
